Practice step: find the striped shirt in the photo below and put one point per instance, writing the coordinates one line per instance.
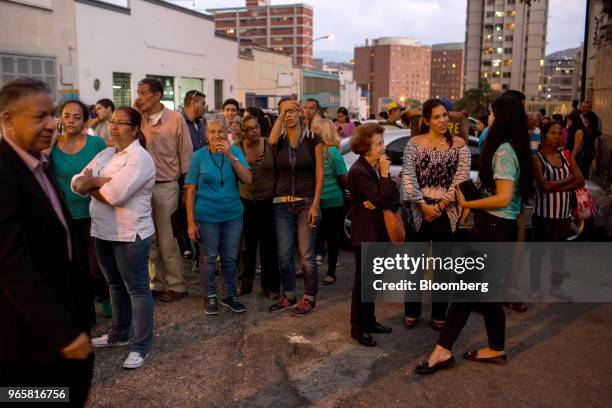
(553, 204)
(430, 176)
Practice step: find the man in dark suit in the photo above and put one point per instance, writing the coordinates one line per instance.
(44, 295)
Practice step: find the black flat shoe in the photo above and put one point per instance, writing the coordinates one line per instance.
(473, 356)
(365, 339)
(425, 369)
(379, 328)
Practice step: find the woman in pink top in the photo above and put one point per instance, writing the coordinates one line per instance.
(343, 124)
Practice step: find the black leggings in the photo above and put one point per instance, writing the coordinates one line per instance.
(548, 230)
(329, 232)
(487, 228)
(439, 230)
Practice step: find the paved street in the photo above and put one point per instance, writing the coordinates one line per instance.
(559, 357)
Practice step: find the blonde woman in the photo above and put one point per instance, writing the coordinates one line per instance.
(332, 197)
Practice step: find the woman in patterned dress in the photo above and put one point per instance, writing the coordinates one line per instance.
(434, 163)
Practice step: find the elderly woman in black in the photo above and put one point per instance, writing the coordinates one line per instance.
(372, 191)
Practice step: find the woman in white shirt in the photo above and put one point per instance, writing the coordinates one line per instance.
(120, 181)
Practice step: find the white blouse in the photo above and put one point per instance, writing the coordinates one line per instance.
(129, 194)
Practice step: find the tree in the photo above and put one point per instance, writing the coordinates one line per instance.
(476, 101)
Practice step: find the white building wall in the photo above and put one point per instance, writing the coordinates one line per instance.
(154, 40)
(39, 29)
(350, 93)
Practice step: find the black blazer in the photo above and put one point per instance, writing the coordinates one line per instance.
(365, 185)
(44, 297)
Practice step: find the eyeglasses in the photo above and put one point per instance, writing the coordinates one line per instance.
(119, 123)
(251, 128)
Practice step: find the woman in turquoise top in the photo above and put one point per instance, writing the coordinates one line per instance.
(214, 211)
(506, 177)
(332, 197)
(73, 150)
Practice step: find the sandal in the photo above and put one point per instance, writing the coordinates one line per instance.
(437, 324)
(410, 322)
(329, 280)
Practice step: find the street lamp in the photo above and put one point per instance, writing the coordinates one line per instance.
(309, 43)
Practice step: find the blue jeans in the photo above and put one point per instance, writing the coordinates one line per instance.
(219, 239)
(125, 268)
(292, 219)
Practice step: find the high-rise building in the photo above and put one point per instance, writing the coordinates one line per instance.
(286, 28)
(560, 83)
(505, 45)
(447, 71)
(393, 68)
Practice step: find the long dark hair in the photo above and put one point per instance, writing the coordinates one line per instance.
(428, 108)
(136, 121)
(510, 125)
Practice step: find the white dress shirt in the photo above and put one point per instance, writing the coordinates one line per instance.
(129, 194)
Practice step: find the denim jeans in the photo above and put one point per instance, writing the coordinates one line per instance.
(219, 239)
(292, 219)
(125, 267)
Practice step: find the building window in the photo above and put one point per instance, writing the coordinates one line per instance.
(508, 63)
(510, 13)
(499, 14)
(489, 14)
(511, 2)
(218, 93)
(507, 74)
(41, 68)
(509, 38)
(189, 84)
(122, 95)
(507, 50)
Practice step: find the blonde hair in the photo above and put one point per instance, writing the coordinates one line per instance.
(329, 135)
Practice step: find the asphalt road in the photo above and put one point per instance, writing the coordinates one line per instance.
(558, 357)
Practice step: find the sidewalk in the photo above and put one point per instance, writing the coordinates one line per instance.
(559, 357)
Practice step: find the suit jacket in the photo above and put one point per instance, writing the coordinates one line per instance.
(365, 185)
(44, 296)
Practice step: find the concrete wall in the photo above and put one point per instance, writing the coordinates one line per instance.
(259, 73)
(152, 39)
(43, 28)
(602, 99)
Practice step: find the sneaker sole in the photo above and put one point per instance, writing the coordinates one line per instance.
(117, 344)
(211, 313)
(294, 314)
(135, 367)
(280, 310)
(231, 308)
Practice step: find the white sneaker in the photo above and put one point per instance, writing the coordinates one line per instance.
(134, 360)
(103, 341)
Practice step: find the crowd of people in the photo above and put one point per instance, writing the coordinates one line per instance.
(115, 204)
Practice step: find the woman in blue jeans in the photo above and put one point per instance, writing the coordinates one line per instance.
(120, 181)
(298, 159)
(214, 212)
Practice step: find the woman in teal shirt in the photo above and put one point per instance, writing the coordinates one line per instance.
(72, 152)
(214, 211)
(332, 197)
(506, 177)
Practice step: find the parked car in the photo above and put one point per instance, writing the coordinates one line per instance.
(395, 142)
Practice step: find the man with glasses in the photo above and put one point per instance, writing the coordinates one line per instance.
(169, 144)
